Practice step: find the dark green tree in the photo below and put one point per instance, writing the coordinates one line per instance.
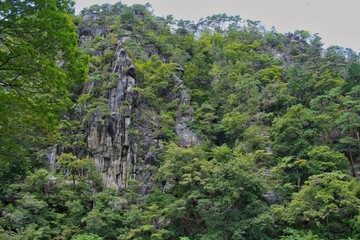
(39, 64)
(327, 205)
(296, 132)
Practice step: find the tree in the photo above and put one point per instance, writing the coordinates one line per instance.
(231, 206)
(217, 199)
(106, 216)
(39, 64)
(326, 204)
(77, 169)
(323, 159)
(353, 76)
(295, 132)
(30, 215)
(88, 236)
(349, 122)
(38, 52)
(295, 168)
(327, 108)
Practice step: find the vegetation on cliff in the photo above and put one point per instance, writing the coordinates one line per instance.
(270, 147)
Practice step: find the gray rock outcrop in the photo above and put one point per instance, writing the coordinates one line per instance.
(122, 137)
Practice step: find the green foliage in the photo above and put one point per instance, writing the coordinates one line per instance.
(234, 124)
(271, 74)
(213, 194)
(274, 111)
(105, 218)
(353, 77)
(205, 116)
(293, 234)
(327, 204)
(34, 88)
(29, 55)
(37, 207)
(78, 169)
(87, 237)
(127, 17)
(167, 125)
(323, 159)
(222, 153)
(295, 132)
(145, 223)
(256, 138)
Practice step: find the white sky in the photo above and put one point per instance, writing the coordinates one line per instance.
(336, 21)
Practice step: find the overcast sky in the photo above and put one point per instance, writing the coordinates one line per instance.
(336, 21)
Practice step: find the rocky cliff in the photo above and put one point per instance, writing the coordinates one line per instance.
(121, 132)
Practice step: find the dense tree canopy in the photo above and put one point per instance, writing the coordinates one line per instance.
(277, 115)
(39, 65)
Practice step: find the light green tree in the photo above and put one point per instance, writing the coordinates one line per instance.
(323, 159)
(77, 169)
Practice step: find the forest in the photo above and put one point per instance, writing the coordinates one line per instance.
(117, 124)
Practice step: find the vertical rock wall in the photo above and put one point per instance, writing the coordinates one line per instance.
(109, 141)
